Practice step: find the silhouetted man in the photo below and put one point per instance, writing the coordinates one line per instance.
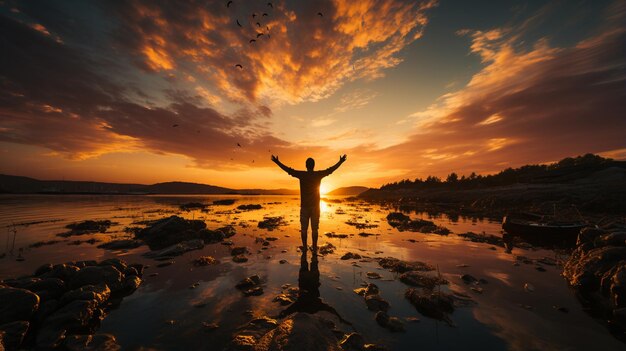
(309, 195)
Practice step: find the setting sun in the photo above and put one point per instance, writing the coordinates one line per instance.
(325, 188)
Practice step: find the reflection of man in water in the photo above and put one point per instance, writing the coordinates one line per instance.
(309, 300)
(309, 195)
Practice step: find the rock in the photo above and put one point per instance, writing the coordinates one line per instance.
(255, 291)
(370, 289)
(45, 268)
(326, 249)
(94, 275)
(217, 235)
(115, 262)
(13, 334)
(17, 304)
(299, 332)
(130, 284)
(99, 293)
(393, 324)
(47, 288)
(63, 271)
(415, 278)
(433, 305)
(239, 250)
(284, 299)
(204, 261)
(350, 256)
(271, 223)
(139, 268)
(171, 230)
(87, 227)
(124, 244)
(249, 282)
(529, 287)
(76, 315)
(376, 303)
(333, 235)
(396, 265)
(240, 259)
(395, 219)
(249, 207)
(352, 341)
(96, 342)
(588, 235)
(243, 342)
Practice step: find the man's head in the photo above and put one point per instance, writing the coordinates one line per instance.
(310, 164)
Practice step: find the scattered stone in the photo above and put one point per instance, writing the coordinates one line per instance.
(350, 256)
(326, 249)
(87, 227)
(240, 259)
(376, 303)
(430, 304)
(224, 202)
(210, 326)
(529, 287)
(370, 289)
(333, 235)
(176, 249)
(352, 341)
(190, 206)
(271, 223)
(540, 269)
(249, 207)
(399, 266)
(239, 250)
(468, 279)
(415, 278)
(165, 264)
(204, 261)
(393, 324)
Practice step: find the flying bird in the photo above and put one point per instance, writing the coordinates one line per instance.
(320, 14)
(254, 15)
(228, 3)
(239, 24)
(174, 125)
(238, 144)
(239, 65)
(259, 34)
(264, 14)
(270, 5)
(258, 24)
(252, 41)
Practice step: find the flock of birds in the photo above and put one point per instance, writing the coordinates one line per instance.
(257, 33)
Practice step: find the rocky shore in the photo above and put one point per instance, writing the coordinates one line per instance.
(61, 306)
(597, 270)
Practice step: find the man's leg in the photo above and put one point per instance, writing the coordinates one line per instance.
(315, 224)
(305, 214)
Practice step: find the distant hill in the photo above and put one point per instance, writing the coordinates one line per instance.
(24, 185)
(349, 190)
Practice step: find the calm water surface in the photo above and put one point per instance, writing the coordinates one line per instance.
(504, 316)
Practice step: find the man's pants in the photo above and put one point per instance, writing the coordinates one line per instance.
(309, 214)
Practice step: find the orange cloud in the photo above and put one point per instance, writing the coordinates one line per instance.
(295, 54)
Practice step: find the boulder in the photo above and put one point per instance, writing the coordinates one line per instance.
(17, 304)
(13, 334)
(393, 324)
(429, 304)
(63, 271)
(399, 266)
(376, 303)
(94, 275)
(75, 316)
(418, 279)
(99, 293)
(169, 231)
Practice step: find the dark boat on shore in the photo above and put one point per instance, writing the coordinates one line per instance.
(540, 231)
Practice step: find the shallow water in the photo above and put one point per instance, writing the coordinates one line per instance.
(503, 317)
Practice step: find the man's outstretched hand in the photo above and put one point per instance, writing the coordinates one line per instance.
(275, 158)
(343, 158)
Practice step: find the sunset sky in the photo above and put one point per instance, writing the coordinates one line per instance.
(92, 90)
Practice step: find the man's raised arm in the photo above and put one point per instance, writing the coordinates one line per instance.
(331, 169)
(289, 170)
